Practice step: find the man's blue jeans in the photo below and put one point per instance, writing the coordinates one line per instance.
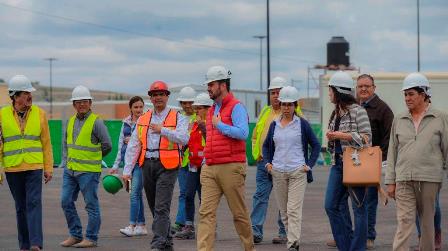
(437, 218)
(193, 187)
(137, 210)
(260, 202)
(87, 183)
(182, 178)
(26, 189)
(336, 192)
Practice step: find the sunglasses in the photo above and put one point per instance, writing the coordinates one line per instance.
(157, 94)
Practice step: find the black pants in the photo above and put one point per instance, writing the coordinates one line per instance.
(159, 185)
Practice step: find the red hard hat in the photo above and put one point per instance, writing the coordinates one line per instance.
(158, 86)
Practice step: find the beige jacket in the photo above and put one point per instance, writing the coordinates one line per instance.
(418, 156)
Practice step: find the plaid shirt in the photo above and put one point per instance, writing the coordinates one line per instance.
(356, 122)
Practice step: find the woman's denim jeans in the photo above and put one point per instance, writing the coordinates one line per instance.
(137, 210)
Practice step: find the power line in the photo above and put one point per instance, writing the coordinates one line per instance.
(136, 33)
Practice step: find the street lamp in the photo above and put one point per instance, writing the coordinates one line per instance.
(50, 60)
(261, 59)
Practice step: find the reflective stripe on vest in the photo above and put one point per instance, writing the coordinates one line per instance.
(169, 152)
(196, 145)
(82, 155)
(260, 127)
(18, 147)
(186, 157)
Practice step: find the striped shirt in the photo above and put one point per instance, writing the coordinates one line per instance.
(356, 122)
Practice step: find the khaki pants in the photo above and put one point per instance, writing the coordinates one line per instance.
(289, 189)
(415, 197)
(216, 180)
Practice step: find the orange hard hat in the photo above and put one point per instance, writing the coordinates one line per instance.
(158, 86)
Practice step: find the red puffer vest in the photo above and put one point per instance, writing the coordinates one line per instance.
(196, 146)
(221, 149)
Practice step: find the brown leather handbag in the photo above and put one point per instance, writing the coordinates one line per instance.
(362, 167)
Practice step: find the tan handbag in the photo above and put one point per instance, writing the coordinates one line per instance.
(362, 167)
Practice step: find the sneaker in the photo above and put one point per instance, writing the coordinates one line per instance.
(176, 228)
(438, 240)
(257, 239)
(279, 240)
(128, 231)
(370, 244)
(187, 233)
(331, 243)
(140, 230)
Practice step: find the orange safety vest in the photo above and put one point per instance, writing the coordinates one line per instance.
(169, 152)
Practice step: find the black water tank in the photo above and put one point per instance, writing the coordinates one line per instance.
(338, 52)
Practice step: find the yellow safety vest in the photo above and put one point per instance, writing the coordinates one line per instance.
(186, 159)
(18, 147)
(83, 155)
(256, 151)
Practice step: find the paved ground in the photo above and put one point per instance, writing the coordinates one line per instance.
(315, 228)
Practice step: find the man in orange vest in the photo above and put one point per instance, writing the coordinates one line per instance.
(156, 144)
(225, 154)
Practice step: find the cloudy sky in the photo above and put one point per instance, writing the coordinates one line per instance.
(125, 45)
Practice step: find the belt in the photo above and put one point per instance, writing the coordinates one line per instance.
(153, 159)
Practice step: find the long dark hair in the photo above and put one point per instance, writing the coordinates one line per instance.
(342, 101)
(134, 100)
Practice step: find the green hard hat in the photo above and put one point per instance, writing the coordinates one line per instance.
(112, 184)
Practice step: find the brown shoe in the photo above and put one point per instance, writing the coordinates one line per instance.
(35, 248)
(85, 244)
(70, 242)
(280, 240)
(370, 244)
(331, 243)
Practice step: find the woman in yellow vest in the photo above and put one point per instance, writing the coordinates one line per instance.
(87, 141)
(26, 154)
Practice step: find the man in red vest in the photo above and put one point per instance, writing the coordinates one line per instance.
(225, 153)
(156, 145)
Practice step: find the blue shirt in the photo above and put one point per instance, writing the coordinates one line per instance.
(240, 121)
(288, 155)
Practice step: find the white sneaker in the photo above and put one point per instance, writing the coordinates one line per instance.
(140, 230)
(128, 231)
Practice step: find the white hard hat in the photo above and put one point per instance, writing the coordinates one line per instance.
(415, 79)
(187, 94)
(203, 99)
(80, 93)
(215, 73)
(344, 80)
(19, 83)
(288, 94)
(277, 82)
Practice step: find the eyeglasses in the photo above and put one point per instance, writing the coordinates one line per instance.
(287, 104)
(157, 94)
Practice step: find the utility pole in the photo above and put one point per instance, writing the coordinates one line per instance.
(268, 50)
(50, 60)
(418, 35)
(261, 59)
